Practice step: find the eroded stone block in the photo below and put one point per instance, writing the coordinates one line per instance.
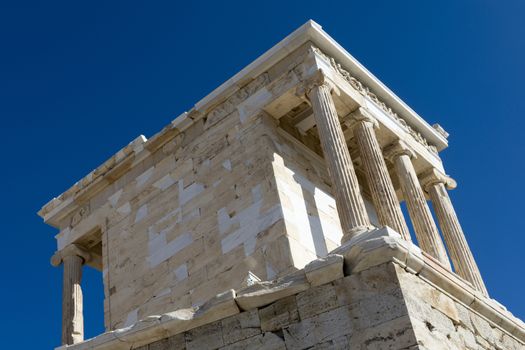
(175, 342)
(241, 326)
(320, 328)
(279, 314)
(265, 341)
(264, 293)
(316, 300)
(324, 270)
(205, 337)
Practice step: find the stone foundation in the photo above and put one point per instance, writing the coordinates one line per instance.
(333, 315)
(389, 298)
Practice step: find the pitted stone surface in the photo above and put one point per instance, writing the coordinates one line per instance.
(264, 293)
(324, 270)
(279, 314)
(316, 300)
(242, 326)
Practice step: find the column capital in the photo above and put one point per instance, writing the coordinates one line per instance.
(317, 79)
(398, 148)
(361, 115)
(434, 176)
(70, 250)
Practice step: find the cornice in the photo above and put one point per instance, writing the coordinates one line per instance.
(112, 169)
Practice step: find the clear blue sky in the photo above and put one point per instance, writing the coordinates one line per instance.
(79, 80)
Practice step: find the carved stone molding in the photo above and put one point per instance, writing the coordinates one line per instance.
(81, 213)
(365, 91)
(229, 105)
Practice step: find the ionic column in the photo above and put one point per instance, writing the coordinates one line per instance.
(72, 257)
(350, 205)
(383, 194)
(465, 266)
(425, 228)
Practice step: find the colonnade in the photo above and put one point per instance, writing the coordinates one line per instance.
(349, 199)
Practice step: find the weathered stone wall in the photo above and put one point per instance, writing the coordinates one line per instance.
(199, 218)
(309, 209)
(193, 219)
(224, 195)
(202, 211)
(380, 292)
(383, 307)
(228, 197)
(362, 311)
(441, 322)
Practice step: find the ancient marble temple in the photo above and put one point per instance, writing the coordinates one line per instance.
(268, 217)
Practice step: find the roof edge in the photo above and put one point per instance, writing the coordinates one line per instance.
(310, 31)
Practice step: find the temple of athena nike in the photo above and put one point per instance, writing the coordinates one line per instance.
(269, 217)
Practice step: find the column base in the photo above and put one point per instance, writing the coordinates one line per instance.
(356, 232)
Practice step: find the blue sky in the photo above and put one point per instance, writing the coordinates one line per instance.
(79, 80)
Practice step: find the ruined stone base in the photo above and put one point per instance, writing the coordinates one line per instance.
(379, 292)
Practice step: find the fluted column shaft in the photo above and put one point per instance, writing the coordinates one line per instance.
(350, 205)
(72, 316)
(460, 253)
(72, 257)
(425, 228)
(381, 187)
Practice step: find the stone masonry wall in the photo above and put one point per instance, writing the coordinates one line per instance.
(309, 209)
(197, 220)
(441, 322)
(380, 292)
(202, 211)
(203, 216)
(361, 311)
(226, 198)
(383, 307)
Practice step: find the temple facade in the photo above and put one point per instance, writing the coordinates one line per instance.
(269, 217)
